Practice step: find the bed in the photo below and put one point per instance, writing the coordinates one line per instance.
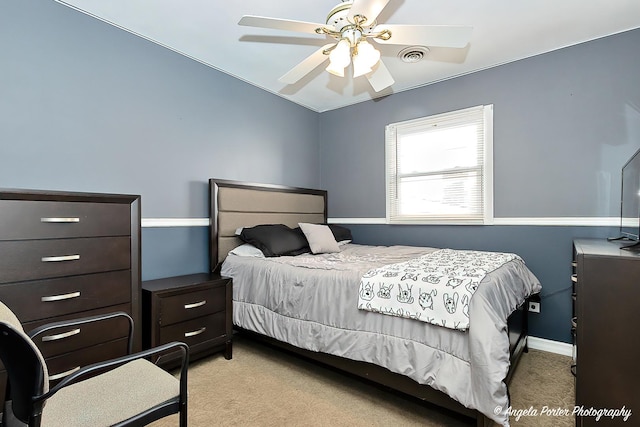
(315, 306)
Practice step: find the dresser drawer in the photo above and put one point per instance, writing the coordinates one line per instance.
(33, 259)
(66, 364)
(35, 219)
(42, 299)
(181, 307)
(72, 338)
(195, 331)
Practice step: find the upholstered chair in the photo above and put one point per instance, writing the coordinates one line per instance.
(129, 390)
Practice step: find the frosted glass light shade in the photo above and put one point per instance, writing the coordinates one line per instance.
(366, 59)
(359, 66)
(339, 58)
(370, 55)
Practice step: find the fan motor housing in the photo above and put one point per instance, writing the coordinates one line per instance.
(337, 17)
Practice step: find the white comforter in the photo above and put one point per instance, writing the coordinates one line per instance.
(310, 301)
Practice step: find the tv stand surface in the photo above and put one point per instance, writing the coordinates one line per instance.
(613, 239)
(634, 247)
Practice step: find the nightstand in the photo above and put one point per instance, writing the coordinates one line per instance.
(195, 309)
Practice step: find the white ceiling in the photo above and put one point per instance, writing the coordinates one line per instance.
(504, 31)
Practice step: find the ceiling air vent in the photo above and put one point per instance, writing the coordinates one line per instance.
(413, 54)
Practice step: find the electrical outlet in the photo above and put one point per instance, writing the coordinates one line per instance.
(534, 307)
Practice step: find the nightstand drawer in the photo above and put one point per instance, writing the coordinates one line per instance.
(37, 259)
(181, 307)
(42, 299)
(37, 219)
(196, 330)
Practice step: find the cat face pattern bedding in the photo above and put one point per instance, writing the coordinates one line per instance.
(434, 288)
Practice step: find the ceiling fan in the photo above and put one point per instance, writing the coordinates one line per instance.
(352, 24)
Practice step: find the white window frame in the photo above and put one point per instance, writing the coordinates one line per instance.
(483, 114)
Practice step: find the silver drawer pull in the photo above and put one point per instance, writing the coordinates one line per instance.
(61, 336)
(63, 374)
(574, 264)
(195, 304)
(574, 278)
(60, 297)
(62, 220)
(60, 258)
(194, 333)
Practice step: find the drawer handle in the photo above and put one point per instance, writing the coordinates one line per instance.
(194, 333)
(63, 374)
(60, 297)
(60, 258)
(574, 264)
(62, 220)
(61, 336)
(574, 322)
(195, 304)
(574, 278)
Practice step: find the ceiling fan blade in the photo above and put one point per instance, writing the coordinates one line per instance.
(367, 8)
(380, 78)
(278, 24)
(306, 66)
(427, 35)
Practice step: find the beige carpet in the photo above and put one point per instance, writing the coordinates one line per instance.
(261, 386)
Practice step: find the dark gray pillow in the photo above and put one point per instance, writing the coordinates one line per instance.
(340, 233)
(276, 239)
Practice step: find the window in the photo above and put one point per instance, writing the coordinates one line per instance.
(440, 168)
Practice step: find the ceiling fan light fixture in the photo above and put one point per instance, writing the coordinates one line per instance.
(335, 70)
(368, 54)
(365, 58)
(339, 58)
(359, 69)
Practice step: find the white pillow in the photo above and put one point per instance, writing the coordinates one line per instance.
(247, 249)
(320, 238)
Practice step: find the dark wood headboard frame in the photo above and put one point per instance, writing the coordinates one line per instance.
(215, 187)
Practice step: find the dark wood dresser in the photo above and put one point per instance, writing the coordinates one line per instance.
(606, 284)
(195, 309)
(66, 255)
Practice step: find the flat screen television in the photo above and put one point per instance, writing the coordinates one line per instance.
(630, 201)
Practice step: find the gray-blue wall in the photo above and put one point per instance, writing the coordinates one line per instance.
(564, 124)
(87, 107)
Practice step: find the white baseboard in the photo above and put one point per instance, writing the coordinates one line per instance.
(550, 346)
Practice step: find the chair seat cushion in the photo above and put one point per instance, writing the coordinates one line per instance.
(111, 397)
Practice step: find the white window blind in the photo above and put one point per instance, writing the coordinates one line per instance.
(440, 169)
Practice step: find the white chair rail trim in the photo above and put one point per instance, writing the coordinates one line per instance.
(552, 221)
(556, 221)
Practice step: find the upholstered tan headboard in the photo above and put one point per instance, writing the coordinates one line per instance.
(235, 204)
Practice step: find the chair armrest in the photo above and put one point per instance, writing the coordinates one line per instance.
(84, 320)
(114, 363)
